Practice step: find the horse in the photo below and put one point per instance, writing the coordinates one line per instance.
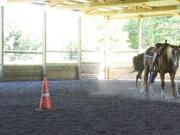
(138, 65)
(166, 61)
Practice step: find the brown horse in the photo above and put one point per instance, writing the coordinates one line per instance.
(167, 61)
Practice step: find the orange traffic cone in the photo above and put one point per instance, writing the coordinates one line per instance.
(45, 102)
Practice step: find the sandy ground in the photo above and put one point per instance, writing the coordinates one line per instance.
(87, 108)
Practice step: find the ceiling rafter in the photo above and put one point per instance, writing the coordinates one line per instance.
(139, 10)
(113, 7)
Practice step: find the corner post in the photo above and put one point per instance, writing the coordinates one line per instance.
(1, 43)
(44, 39)
(139, 34)
(79, 50)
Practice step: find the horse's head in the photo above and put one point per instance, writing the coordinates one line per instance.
(175, 56)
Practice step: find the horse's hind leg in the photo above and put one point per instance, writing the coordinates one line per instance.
(138, 76)
(162, 85)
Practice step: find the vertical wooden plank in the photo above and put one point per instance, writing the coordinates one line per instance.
(44, 42)
(79, 50)
(139, 34)
(1, 42)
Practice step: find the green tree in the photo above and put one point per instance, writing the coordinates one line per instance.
(131, 28)
(154, 30)
(15, 41)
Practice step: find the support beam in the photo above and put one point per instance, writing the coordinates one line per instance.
(24, 1)
(100, 3)
(79, 50)
(144, 16)
(125, 3)
(1, 42)
(44, 43)
(143, 11)
(129, 6)
(91, 5)
(140, 34)
(154, 9)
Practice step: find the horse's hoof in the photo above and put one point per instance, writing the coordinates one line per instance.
(162, 97)
(147, 95)
(176, 96)
(142, 90)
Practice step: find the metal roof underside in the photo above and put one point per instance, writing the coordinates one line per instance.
(114, 8)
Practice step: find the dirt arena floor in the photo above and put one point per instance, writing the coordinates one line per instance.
(87, 108)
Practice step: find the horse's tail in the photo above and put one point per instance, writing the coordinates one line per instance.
(138, 65)
(138, 62)
(134, 63)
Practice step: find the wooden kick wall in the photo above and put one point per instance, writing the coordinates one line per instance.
(67, 71)
(125, 71)
(22, 72)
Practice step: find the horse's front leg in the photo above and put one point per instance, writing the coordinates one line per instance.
(162, 84)
(172, 76)
(145, 79)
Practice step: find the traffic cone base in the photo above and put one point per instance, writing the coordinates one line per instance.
(46, 101)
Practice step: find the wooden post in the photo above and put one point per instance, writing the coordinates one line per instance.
(105, 61)
(44, 43)
(1, 42)
(79, 50)
(139, 34)
(106, 50)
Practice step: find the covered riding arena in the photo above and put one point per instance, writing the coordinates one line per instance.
(85, 49)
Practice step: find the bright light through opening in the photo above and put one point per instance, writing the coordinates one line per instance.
(3, 2)
(99, 36)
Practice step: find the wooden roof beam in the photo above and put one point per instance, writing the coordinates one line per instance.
(154, 9)
(125, 3)
(89, 5)
(24, 1)
(139, 11)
